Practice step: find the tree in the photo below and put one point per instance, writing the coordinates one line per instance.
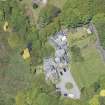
(44, 99)
(40, 47)
(40, 93)
(70, 20)
(35, 5)
(1, 15)
(47, 14)
(20, 99)
(33, 34)
(67, 101)
(69, 86)
(102, 100)
(47, 50)
(96, 86)
(73, 15)
(102, 81)
(6, 99)
(14, 40)
(19, 21)
(94, 100)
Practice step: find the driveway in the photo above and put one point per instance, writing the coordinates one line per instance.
(61, 46)
(68, 78)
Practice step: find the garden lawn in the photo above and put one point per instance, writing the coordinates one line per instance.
(58, 3)
(15, 76)
(92, 67)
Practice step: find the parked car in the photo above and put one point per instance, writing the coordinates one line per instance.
(61, 73)
(65, 94)
(64, 69)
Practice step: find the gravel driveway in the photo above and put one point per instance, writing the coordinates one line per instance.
(66, 77)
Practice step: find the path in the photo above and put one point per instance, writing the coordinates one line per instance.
(98, 44)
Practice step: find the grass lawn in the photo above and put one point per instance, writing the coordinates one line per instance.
(16, 75)
(88, 71)
(58, 3)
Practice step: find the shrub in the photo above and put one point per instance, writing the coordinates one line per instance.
(35, 6)
(14, 40)
(69, 85)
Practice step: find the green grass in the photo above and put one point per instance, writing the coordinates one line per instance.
(89, 70)
(58, 3)
(35, 12)
(16, 75)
